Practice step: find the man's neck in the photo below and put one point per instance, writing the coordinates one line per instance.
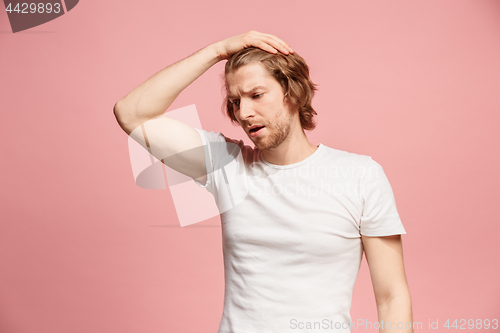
(293, 150)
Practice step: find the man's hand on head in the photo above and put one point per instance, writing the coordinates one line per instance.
(266, 42)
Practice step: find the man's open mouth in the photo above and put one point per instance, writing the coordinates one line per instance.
(256, 129)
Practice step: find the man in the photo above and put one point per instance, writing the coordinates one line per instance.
(293, 246)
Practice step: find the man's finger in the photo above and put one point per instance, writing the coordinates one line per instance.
(276, 44)
(266, 47)
(281, 42)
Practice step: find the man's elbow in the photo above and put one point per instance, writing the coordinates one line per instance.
(124, 117)
(119, 109)
(396, 295)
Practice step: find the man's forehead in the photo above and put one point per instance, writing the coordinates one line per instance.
(246, 80)
(236, 91)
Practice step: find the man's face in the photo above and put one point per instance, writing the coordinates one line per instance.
(258, 99)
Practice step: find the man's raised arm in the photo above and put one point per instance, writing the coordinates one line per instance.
(153, 97)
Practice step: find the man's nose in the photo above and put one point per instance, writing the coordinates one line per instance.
(246, 109)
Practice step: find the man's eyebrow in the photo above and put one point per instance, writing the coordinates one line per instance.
(230, 96)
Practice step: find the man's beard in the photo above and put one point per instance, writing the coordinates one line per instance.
(275, 136)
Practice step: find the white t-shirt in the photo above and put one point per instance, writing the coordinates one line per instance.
(292, 234)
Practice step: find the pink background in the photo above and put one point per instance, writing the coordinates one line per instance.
(413, 84)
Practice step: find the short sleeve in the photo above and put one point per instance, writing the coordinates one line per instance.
(206, 138)
(380, 216)
(225, 168)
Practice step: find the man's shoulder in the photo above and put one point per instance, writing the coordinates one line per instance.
(222, 146)
(347, 157)
(214, 136)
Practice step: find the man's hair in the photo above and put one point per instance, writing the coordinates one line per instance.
(291, 72)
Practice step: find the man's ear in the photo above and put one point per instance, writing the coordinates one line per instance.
(287, 100)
